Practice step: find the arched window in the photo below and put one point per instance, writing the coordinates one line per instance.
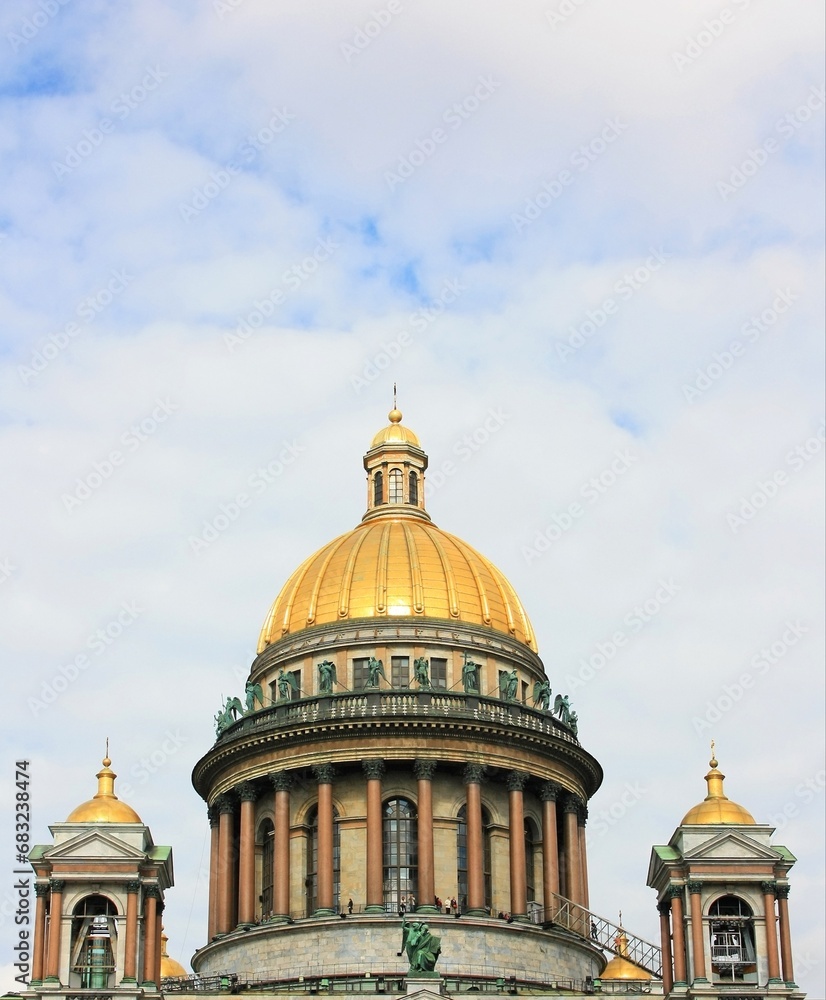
(311, 881)
(400, 848)
(413, 490)
(461, 857)
(396, 486)
(378, 489)
(266, 836)
(94, 942)
(731, 930)
(531, 838)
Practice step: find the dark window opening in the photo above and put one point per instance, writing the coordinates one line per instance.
(438, 673)
(461, 857)
(94, 942)
(400, 671)
(396, 487)
(400, 850)
(266, 837)
(731, 931)
(311, 881)
(413, 491)
(360, 672)
(378, 489)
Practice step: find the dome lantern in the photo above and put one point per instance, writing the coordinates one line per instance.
(395, 464)
(716, 807)
(105, 806)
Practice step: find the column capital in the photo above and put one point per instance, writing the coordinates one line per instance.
(582, 813)
(133, 886)
(781, 891)
(224, 804)
(473, 774)
(664, 907)
(516, 781)
(41, 889)
(152, 892)
(246, 791)
(768, 888)
(550, 791)
(424, 769)
(324, 773)
(212, 815)
(281, 781)
(374, 769)
(571, 803)
(694, 887)
(676, 891)
(57, 884)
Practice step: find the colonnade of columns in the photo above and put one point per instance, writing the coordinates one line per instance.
(232, 853)
(673, 934)
(141, 946)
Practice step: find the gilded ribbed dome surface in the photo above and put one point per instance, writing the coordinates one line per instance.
(390, 567)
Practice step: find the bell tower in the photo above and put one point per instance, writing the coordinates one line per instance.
(722, 893)
(99, 897)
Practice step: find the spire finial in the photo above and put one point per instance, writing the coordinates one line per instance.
(106, 760)
(394, 395)
(713, 761)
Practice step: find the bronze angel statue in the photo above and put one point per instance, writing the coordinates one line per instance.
(326, 677)
(508, 683)
(287, 686)
(542, 695)
(562, 708)
(375, 669)
(228, 714)
(421, 671)
(253, 693)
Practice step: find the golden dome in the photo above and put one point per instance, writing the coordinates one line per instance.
(396, 563)
(716, 807)
(620, 966)
(105, 807)
(395, 433)
(397, 566)
(170, 969)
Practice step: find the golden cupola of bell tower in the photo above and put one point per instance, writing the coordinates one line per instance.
(395, 466)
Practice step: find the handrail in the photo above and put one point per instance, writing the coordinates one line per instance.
(390, 703)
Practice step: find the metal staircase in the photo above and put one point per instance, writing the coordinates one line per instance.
(602, 932)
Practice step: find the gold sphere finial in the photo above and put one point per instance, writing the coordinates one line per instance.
(394, 416)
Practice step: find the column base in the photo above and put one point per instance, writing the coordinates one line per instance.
(701, 981)
(128, 981)
(475, 912)
(520, 918)
(51, 981)
(324, 911)
(427, 909)
(374, 908)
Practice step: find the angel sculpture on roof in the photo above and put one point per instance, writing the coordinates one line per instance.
(253, 693)
(562, 708)
(287, 685)
(326, 677)
(542, 695)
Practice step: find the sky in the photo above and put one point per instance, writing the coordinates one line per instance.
(584, 239)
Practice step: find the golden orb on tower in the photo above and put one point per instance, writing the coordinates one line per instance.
(397, 563)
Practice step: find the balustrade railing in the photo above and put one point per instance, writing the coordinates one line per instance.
(388, 703)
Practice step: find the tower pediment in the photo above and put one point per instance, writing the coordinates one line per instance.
(731, 845)
(92, 844)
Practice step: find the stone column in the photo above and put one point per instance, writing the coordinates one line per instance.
(424, 771)
(664, 907)
(247, 794)
(697, 937)
(473, 776)
(56, 886)
(782, 894)
(41, 891)
(570, 808)
(516, 832)
(582, 819)
(158, 942)
(130, 945)
(550, 848)
(678, 934)
(374, 772)
(768, 890)
(151, 898)
(212, 918)
(226, 860)
(281, 849)
(324, 902)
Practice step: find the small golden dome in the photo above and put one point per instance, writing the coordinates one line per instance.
(395, 432)
(716, 807)
(620, 966)
(170, 969)
(392, 567)
(105, 807)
